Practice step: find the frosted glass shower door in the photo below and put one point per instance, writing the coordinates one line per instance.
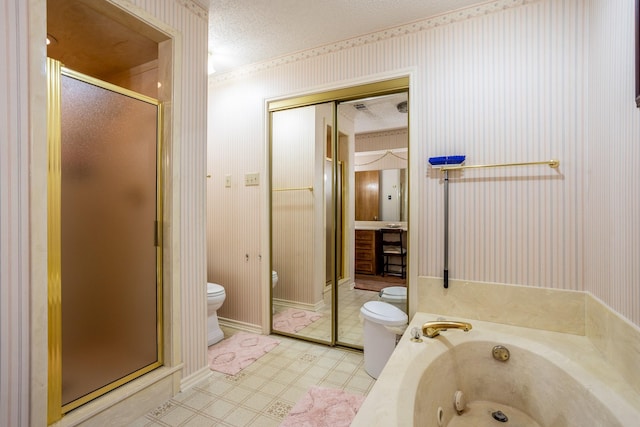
(110, 251)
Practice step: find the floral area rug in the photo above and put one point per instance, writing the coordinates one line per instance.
(324, 407)
(233, 354)
(294, 320)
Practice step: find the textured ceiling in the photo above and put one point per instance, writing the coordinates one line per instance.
(244, 32)
(376, 114)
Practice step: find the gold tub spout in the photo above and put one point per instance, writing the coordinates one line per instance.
(432, 329)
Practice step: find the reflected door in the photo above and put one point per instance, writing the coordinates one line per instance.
(108, 201)
(367, 195)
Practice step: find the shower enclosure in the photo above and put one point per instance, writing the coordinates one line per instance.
(105, 260)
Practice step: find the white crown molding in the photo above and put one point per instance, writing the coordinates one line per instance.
(414, 27)
(196, 8)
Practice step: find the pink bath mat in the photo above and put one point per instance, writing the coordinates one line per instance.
(233, 354)
(324, 407)
(294, 320)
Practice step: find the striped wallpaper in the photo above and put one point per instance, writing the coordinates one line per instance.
(612, 174)
(16, 138)
(510, 81)
(186, 170)
(295, 163)
(23, 166)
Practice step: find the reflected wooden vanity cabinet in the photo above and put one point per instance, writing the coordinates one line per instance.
(368, 252)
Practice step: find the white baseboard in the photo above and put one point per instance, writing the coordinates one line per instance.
(193, 379)
(247, 327)
(298, 305)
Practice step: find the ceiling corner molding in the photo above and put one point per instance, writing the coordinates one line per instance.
(414, 27)
(381, 134)
(196, 8)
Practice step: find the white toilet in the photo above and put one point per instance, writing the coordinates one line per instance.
(383, 324)
(395, 295)
(215, 298)
(274, 282)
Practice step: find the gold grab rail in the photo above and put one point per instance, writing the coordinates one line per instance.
(553, 163)
(293, 189)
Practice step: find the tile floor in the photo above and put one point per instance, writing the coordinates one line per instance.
(263, 393)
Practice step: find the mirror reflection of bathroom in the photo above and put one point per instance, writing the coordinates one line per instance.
(318, 237)
(380, 166)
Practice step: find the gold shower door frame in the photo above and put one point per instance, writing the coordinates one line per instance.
(56, 408)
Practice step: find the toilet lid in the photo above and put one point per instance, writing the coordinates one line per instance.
(214, 289)
(394, 293)
(383, 313)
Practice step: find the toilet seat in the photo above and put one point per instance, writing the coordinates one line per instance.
(213, 289)
(383, 313)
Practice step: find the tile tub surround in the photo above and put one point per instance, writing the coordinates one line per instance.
(538, 308)
(391, 400)
(570, 312)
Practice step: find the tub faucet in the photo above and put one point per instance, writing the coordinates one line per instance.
(432, 329)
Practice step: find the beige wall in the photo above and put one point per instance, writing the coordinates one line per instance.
(504, 82)
(23, 212)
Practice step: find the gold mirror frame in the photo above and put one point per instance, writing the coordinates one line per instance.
(380, 88)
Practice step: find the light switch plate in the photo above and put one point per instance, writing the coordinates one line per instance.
(252, 179)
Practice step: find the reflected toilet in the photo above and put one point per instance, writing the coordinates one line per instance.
(274, 282)
(395, 295)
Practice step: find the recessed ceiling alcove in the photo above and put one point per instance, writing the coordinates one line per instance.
(98, 38)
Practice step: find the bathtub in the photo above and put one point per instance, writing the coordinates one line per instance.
(550, 380)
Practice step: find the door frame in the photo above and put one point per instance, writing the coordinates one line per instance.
(380, 87)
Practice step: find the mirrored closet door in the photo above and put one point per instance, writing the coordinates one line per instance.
(318, 143)
(302, 221)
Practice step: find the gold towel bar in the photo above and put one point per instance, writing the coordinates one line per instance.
(552, 164)
(293, 189)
